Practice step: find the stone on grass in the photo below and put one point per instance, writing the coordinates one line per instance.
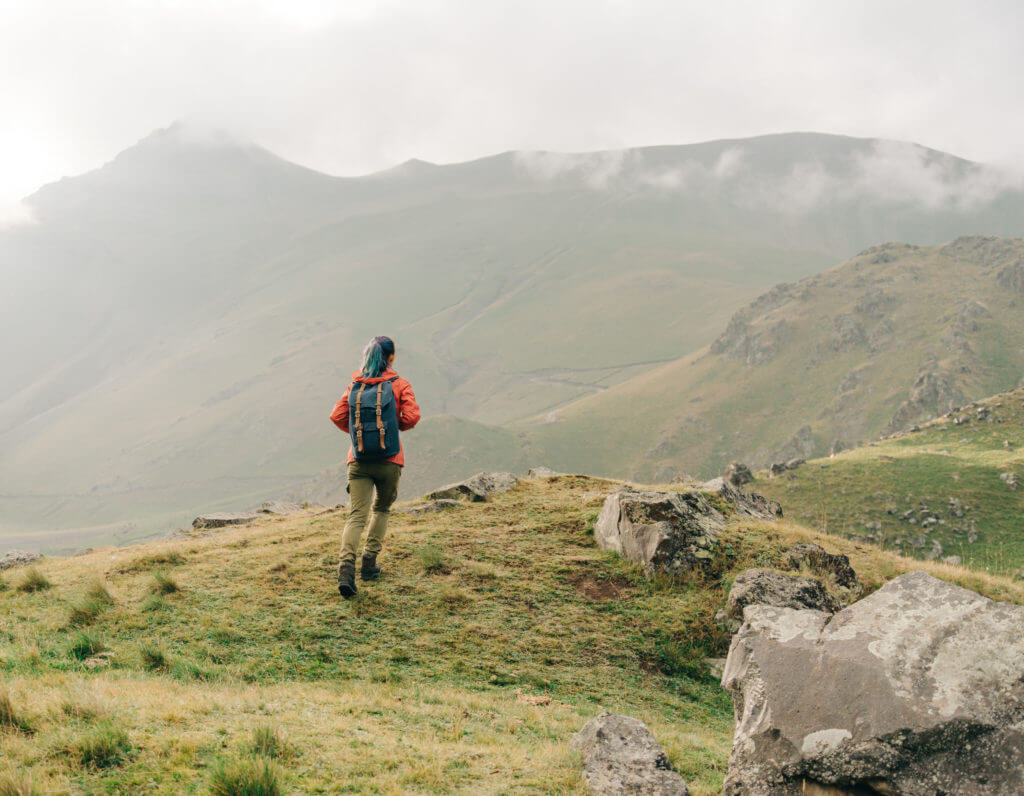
(832, 566)
(738, 474)
(429, 507)
(542, 472)
(766, 587)
(15, 558)
(280, 507)
(224, 518)
(917, 689)
(621, 756)
(745, 503)
(477, 488)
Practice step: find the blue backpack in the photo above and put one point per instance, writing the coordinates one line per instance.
(373, 421)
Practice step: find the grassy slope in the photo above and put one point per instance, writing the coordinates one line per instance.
(413, 687)
(907, 304)
(882, 481)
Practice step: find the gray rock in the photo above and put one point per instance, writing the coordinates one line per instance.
(746, 503)
(766, 587)
(542, 472)
(663, 531)
(738, 474)
(477, 488)
(1010, 479)
(832, 566)
(429, 507)
(621, 756)
(953, 561)
(917, 689)
(225, 518)
(15, 558)
(280, 507)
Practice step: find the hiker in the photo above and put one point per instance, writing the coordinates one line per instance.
(376, 406)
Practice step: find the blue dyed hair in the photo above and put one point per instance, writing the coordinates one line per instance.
(375, 355)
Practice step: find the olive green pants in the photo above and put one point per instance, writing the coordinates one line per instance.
(364, 480)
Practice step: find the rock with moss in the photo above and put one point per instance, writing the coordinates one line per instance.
(224, 518)
(834, 567)
(17, 558)
(741, 502)
(738, 474)
(917, 689)
(621, 756)
(767, 587)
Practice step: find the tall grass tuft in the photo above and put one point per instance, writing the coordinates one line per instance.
(267, 742)
(163, 583)
(153, 657)
(246, 778)
(17, 785)
(104, 746)
(34, 581)
(10, 717)
(432, 559)
(85, 645)
(96, 599)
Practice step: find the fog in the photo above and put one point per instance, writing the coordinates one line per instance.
(353, 87)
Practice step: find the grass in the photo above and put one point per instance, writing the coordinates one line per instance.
(431, 558)
(11, 717)
(413, 686)
(33, 581)
(14, 784)
(164, 583)
(246, 777)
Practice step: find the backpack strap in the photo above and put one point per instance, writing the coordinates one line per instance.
(359, 419)
(380, 423)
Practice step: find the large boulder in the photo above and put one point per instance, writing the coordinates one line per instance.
(745, 503)
(738, 474)
(917, 689)
(832, 566)
(621, 756)
(765, 587)
(15, 558)
(225, 518)
(669, 532)
(477, 488)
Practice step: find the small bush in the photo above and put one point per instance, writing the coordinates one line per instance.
(10, 717)
(104, 746)
(246, 778)
(17, 785)
(34, 581)
(267, 742)
(432, 559)
(85, 645)
(163, 584)
(153, 657)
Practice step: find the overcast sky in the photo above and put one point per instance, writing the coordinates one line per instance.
(352, 86)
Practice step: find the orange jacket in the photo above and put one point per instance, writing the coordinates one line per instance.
(405, 403)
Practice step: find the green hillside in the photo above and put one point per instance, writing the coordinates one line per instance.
(498, 630)
(953, 487)
(180, 321)
(894, 336)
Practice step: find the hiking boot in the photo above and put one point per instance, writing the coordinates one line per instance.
(347, 581)
(369, 569)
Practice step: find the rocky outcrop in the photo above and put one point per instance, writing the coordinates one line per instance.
(621, 756)
(766, 587)
(778, 468)
(662, 531)
(428, 507)
(542, 472)
(748, 504)
(917, 689)
(16, 558)
(222, 519)
(738, 474)
(280, 507)
(834, 567)
(476, 489)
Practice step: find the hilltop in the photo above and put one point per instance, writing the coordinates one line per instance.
(948, 487)
(500, 628)
(181, 320)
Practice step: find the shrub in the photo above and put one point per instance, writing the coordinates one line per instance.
(163, 583)
(85, 645)
(103, 746)
(34, 581)
(153, 657)
(10, 717)
(432, 559)
(246, 778)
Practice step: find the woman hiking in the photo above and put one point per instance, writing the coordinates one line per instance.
(376, 406)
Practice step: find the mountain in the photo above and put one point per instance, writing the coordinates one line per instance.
(948, 487)
(180, 321)
(891, 337)
(500, 628)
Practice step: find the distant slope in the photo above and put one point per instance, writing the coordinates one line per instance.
(953, 487)
(181, 320)
(893, 336)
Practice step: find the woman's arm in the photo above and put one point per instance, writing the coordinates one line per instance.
(408, 409)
